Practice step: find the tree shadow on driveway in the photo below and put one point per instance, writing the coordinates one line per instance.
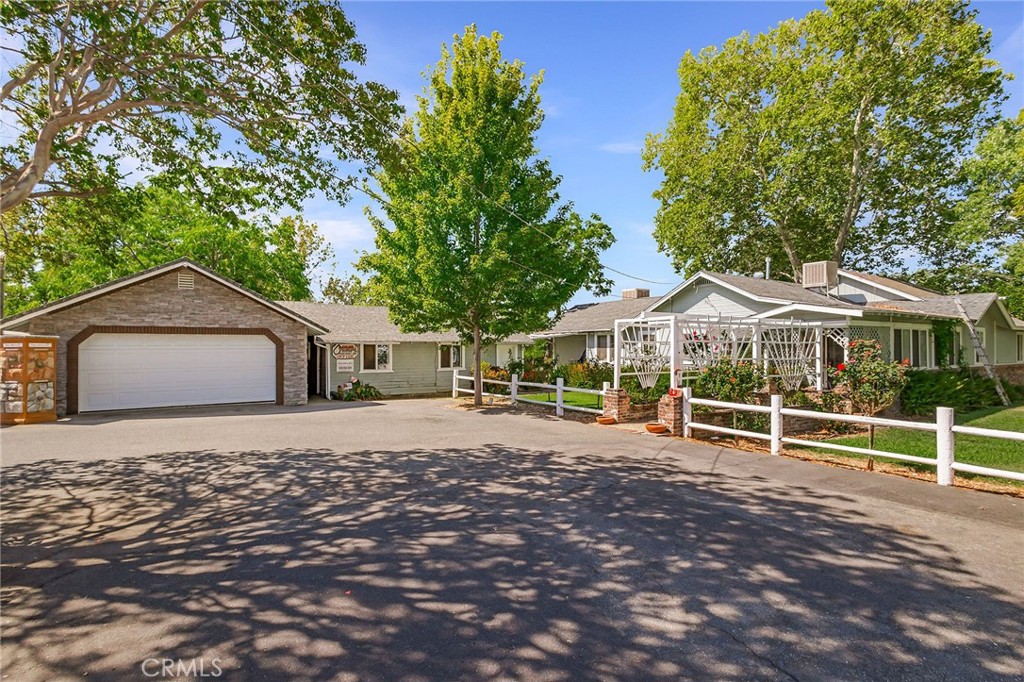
(473, 564)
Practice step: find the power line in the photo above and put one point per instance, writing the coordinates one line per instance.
(349, 182)
(437, 165)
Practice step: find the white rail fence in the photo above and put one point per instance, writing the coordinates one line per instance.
(515, 385)
(943, 427)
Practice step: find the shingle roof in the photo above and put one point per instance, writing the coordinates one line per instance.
(974, 304)
(369, 324)
(787, 292)
(896, 284)
(114, 284)
(601, 316)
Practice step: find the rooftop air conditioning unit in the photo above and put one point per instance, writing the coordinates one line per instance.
(821, 274)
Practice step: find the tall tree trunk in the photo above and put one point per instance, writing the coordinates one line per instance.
(478, 398)
(857, 171)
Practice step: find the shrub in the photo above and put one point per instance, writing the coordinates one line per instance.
(537, 368)
(497, 374)
(584, 374)
(828, 401)
(515, 367)
(870, 383)
(962, 390)
(733, 383)
(359, 391)
(639, 395)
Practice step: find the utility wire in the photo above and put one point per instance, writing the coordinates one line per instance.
(425, 154)
(349, 182)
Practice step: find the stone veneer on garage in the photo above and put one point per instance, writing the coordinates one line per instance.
(158, 302)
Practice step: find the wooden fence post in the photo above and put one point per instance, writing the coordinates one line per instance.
(776, 423)
(455, 383)
(687, 412)
(559, 385)
(513, 390)
(944, 419)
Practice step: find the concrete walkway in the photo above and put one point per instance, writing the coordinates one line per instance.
(413, 540)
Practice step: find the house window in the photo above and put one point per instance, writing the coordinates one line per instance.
(449, 356)
(981, 339)
(376, 357)
(1020, 347)
(910, 345)
(604, 350)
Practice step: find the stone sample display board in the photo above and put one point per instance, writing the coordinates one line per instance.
(28, 379)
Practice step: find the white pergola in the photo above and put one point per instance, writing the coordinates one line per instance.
(792, 351)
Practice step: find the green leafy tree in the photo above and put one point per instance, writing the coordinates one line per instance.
(222, 97)
(66, 245)
(473, 236)
(985, 250)
(350, 291)
(836, 136)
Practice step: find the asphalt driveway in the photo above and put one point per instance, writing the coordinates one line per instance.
(413, 540)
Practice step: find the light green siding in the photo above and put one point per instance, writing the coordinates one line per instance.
(503, 350)
(1006, 346)
(570, 348)
(414, 370)
(1000, 340)
(488, 354)
(712, 299)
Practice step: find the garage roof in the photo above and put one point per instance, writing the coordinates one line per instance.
(120, 283)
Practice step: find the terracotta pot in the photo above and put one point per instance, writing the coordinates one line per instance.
(606, 420)
(656, 427)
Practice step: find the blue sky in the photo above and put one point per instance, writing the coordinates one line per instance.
(610, 78)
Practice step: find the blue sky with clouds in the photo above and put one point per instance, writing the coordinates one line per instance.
(610, 78)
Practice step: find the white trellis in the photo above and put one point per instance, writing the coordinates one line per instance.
(704, 341)
(792, 351)
(645, 348)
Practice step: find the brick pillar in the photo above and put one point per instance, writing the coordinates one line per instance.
(616, 403)
(670, 413)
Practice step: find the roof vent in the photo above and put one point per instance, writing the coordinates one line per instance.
(186, 280)
(821, 274)
(636, 293)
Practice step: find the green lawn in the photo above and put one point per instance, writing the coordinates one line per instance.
(990, 452)
(568, 397)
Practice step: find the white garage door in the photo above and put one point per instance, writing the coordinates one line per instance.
(122, 371)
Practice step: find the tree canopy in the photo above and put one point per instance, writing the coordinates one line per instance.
(985, 249)
(473, 235)
(836, 136)
(350, 291)
(69, 245)
(243, 103)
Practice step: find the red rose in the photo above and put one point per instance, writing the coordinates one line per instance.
(841, 366)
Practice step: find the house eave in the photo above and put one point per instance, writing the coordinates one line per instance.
(805, 307)
(130, 280)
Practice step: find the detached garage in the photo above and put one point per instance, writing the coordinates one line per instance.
(175, 335)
